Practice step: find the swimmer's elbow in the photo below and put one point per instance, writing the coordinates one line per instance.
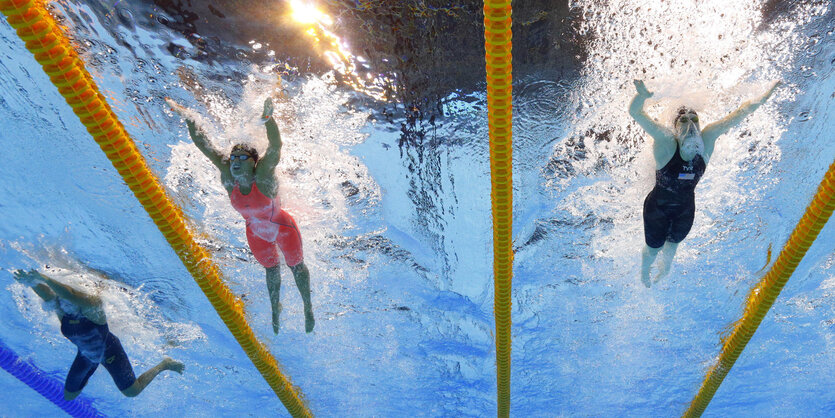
(642, 119)
(95, 300)
(636, 107)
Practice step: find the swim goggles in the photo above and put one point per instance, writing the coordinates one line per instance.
(242, 157)
(684, 118)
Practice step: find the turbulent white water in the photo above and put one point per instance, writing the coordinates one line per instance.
(397, 236)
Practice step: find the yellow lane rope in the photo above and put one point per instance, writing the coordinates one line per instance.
(44, 38)
(763, 295)
(498, 47)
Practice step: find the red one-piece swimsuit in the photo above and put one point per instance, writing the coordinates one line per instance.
(268, 226)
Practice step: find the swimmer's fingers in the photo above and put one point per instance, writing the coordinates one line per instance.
(26, 277)
(268, 109)
(642, 88)
(21, 274)
(176, 107)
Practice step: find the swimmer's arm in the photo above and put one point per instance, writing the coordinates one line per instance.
(265, 170)
(663, 141)
(636, 109)
(716, 129)
(198, 136)
(76, 297)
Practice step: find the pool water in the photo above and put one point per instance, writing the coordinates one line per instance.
(393, 206)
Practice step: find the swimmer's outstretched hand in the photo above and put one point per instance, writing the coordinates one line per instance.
(268, 110)
(176, 107)
(642, 89)
(28, 278)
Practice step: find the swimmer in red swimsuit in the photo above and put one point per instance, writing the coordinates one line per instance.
(250, 182)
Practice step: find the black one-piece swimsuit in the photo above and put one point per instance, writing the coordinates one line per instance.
(671, 205)
(98, 341)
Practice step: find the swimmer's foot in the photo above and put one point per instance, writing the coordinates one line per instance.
(175, 366)
(646, 264)
(645, 268)
(309, 322)
(666, 261)
(276, 314)
(663, 271)
(645, 279)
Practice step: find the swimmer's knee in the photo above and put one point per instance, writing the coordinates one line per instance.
(71, 395)
(650, 251)
(270, 263)
(651, 247)
(131, 391)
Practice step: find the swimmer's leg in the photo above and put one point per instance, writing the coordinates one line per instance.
(668, 253)
(274, 288)
(302, 276)
(656, 228)
(142, 382)
(647, 258)
(79, 374)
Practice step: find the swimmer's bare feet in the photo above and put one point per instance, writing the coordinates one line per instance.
(663, 271)
(276, 314)
(645, 278)
(668, 252)
(173, 365)
(309, 322)
(646, 265)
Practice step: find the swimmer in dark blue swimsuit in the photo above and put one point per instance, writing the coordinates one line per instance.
(681, 156)
(84, 323)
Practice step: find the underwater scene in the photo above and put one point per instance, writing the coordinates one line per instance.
(327, 169)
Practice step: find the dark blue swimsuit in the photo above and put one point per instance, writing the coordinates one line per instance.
(670, 206)
(96, 344)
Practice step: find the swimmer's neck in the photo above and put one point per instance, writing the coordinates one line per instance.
(245, 183)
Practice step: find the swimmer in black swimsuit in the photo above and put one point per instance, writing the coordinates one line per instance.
(681, 156)
(84, 323)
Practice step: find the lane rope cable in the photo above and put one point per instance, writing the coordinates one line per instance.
(498, 56)
(45, 39)
(49, 387)
(762, 296)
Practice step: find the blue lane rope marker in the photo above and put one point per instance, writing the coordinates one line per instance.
(49, 387)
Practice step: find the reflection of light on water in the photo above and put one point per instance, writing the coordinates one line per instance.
(336, 52)
(309, 14)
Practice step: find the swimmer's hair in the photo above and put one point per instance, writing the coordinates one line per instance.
(247, 149)
(683, 110)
